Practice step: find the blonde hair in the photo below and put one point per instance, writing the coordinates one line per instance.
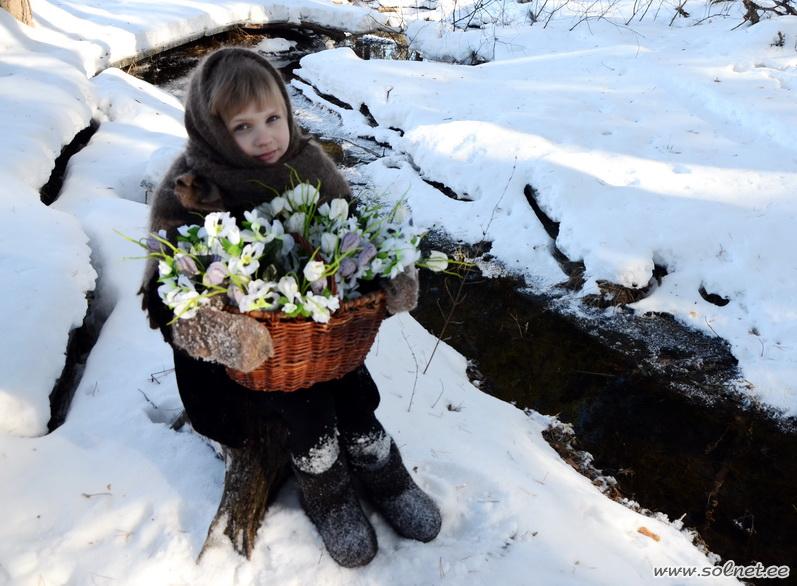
(239, 82)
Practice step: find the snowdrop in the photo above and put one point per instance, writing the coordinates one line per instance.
(338, 209)
(437, 261)
(289, 288)
(401, 213)
(261, 295)
(249, 260)
(303, 194)
(320, 307)
(329, 242)
(220, 225)
(295, 223)
(314, 270)
(278, 205)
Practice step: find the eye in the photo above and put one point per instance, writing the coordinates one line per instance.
(242, 127)
(272, 118)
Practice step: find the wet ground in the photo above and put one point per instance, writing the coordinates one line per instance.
(652, 402)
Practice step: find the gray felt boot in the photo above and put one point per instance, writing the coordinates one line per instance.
(331, 503)
(376, 461)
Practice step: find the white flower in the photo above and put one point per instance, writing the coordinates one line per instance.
(278, 204)
(401, 213)
(409, 255)
(166, 287)
(289, 287)
(289, 308)
(221, 225)
(329, 242)
(260, 295)
(437, 261)
(184, 299)
(318, 306)
(323, 209)
(164, 268)
(296, 223)
(287, 244)
(258, 227)
(249, 260)
(314, 270)
(377, 265)
(264, 209)
(394, 272)
(277, 228)
(333, 303)
(303, 194)
(338, 209)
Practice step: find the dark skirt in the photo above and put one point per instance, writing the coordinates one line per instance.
(223, 410)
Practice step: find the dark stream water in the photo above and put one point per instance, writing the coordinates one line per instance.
(727, 472)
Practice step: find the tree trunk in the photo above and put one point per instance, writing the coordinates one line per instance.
(19, 9)
(253, 477)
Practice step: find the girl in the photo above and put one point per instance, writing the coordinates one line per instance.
(241, 136)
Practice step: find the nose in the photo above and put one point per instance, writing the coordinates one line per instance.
(263, 137)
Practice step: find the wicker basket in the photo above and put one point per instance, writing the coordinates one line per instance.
(307, 352)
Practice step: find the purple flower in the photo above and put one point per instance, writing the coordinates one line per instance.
(185, 265)
(349, 242)
(215, 275)
(318, 286)
(367, 254)
(153, 244)
(347, 267)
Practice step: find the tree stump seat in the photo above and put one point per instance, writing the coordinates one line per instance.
(253, 476)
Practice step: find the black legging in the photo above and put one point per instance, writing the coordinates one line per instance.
(229, 413)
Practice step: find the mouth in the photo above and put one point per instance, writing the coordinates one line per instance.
(268, 156)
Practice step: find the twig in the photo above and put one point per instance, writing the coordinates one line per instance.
(415, 359)
(464, 277)
(679, 10)
(442, 390)
(606, 374)
(712, 329)
(150, 401)
(155, 376)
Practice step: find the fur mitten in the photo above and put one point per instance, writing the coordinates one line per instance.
(401, 293)
(215, 335)
(197, 193)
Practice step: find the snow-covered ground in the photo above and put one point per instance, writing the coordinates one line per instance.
(658, 144)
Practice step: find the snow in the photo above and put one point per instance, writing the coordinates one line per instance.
(654, 161)
(701, 183)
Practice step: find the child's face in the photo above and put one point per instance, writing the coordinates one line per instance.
(261, 130)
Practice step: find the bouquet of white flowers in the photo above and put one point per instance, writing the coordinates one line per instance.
(288, 255)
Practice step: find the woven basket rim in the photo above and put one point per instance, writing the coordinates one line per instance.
(372, 298)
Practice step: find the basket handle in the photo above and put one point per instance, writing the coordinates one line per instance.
(308, 248)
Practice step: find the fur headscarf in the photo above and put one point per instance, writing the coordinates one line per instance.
(230, 178)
